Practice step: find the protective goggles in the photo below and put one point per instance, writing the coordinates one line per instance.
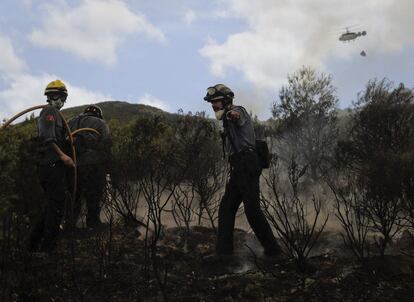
(57, 96)
(211, 91)
(213, 94)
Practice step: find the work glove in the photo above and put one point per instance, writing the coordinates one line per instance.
(233, 115)
(67, 160)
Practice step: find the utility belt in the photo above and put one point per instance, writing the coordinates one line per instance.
(246, 153)
(46, 155)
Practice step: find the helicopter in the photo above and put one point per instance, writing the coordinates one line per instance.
(351, 35)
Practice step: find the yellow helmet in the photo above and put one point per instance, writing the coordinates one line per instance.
(56, 86)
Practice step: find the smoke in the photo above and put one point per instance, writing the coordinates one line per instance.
(281, 36)
(255, 101)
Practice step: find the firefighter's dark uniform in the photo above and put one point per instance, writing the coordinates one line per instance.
(243, 185)
(52, 173)
(93, 153)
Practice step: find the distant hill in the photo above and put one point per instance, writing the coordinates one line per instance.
(125, 112)
(117, 110)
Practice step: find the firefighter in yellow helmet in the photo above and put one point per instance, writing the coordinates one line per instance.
(52, 166)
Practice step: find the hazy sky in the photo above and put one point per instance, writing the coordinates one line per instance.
(166, 53)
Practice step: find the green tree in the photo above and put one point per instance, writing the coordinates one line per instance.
(18, 166)
(306, 119)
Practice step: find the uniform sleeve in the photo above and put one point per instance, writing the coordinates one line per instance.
(105, 142)
(47, 125)
(244, 116)
(106, 137)
(104, 130)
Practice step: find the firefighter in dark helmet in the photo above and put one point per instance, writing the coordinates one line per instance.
(93, 152)
(243, 184)
(52, 168)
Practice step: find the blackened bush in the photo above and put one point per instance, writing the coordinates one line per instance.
(380, 152)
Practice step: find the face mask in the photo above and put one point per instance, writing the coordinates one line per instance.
(57, 103)
(219, 114)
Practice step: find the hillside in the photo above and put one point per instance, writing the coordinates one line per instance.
(117, 110)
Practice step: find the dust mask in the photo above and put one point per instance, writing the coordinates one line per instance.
(58, 103)
(219, 114)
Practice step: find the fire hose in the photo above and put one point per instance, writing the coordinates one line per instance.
(11, 120)
(84, 129)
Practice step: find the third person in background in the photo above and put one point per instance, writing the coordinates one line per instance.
(93, 154)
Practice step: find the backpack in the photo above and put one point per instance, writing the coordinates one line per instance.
(80, 140)
(263, 154)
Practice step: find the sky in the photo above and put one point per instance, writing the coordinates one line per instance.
(165, 53)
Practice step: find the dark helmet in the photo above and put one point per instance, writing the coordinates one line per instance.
(219, 92)
(95, 110)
